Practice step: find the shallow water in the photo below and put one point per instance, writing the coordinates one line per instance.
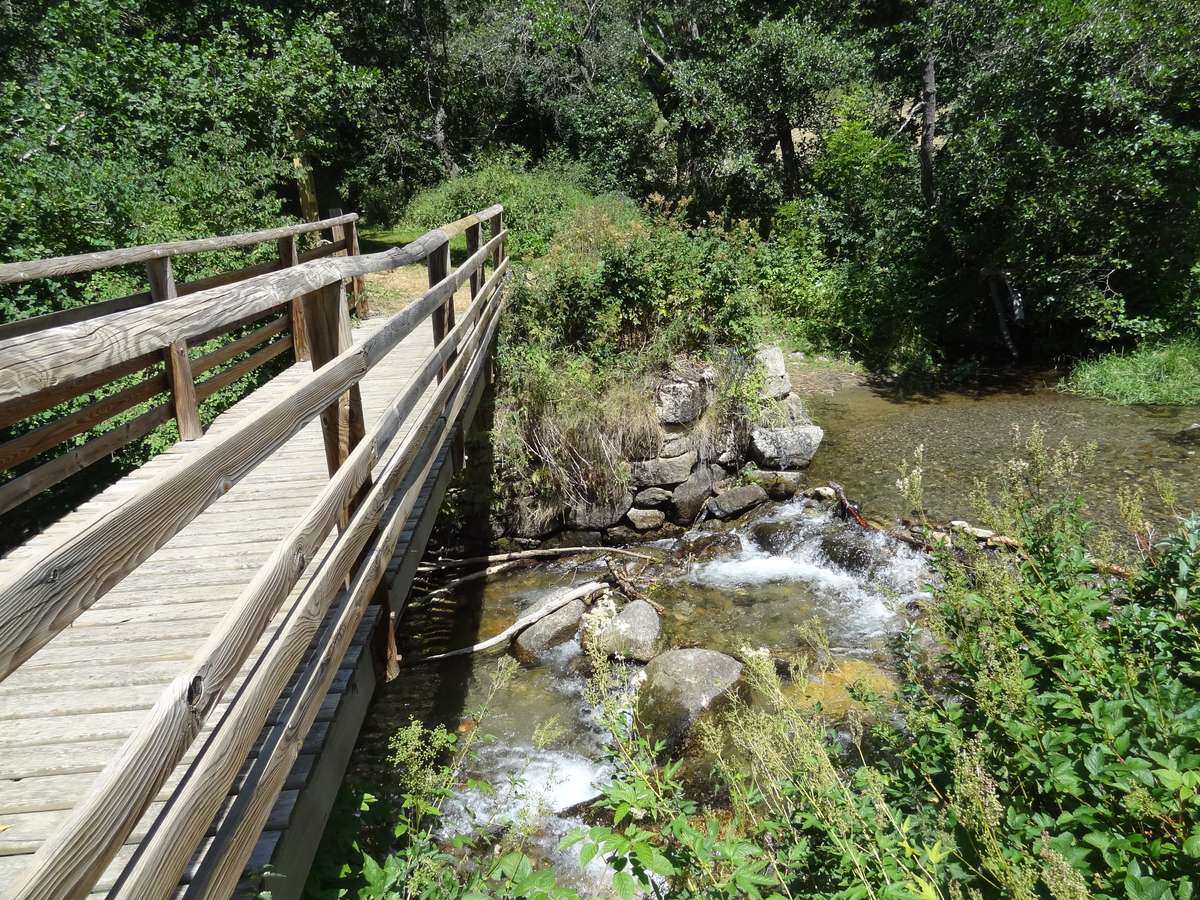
(870, 429)
(790, 566)
(785, 568)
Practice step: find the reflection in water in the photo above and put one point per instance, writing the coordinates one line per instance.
(870, 430)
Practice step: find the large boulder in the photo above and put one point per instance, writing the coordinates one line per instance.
(777, 383)
(681, 686)
(677, 440)
(666, 471)
(646, 519)
(632, 633)
(599, 513)
(736, 500)
(794, 411)
(546, 634)
(680, 402)
(792, 447)
(688, 498)
(775, 537)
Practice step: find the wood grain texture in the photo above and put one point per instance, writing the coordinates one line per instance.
(44, 360)
(46, 592)
(16, 272)
(126, 786)
(181, 710)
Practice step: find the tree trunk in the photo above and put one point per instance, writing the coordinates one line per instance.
(787, 153)
(306, 186)
(929, 127)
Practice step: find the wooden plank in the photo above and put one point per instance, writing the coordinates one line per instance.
(71, 315)
(288, 257)
(29, 484)
(228, 351)
(53, 433)
(330, 248)
(23, 407)
(102, 819)
(16, 272)
(226, 377)
(230, 277)
(40, 361)
(250, 811)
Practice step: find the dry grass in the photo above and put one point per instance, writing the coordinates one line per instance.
(390, 292)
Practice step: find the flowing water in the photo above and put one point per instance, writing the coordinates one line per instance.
(760, 583)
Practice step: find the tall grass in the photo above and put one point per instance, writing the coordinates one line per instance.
(1165, 373)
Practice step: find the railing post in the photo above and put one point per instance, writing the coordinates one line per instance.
(358, 286)
(495, 226)
(342, 424)
(442, 317)
(289, 256)
(349, 234)
(179, 366)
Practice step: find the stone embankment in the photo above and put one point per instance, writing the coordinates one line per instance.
(706, 464)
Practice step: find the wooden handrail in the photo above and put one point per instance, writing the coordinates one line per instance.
(17, 272)
(43, 360)
(52, 589)
(48, 592)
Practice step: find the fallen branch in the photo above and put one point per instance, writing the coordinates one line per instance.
(585, 590)
(627, 586)
(531, 554)
(846, 508)
(466, 579)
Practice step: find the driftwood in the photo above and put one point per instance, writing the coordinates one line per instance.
(545, 552)
(627, 586)
(585, 590)
(466, 579)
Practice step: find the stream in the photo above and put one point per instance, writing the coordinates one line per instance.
(761, 582)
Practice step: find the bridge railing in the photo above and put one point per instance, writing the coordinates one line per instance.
(171, 373)
(366, 502)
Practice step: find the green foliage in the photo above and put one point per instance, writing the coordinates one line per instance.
(1167, 373)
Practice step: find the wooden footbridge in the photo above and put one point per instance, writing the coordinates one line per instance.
(185, 659)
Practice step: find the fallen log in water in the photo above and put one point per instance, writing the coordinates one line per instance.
(553, 605)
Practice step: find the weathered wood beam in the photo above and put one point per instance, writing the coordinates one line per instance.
(48, 591)
(16, 272)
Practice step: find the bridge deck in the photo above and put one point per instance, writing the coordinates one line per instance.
(67, 710)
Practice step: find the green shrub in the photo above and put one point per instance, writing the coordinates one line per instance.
(1166, 373)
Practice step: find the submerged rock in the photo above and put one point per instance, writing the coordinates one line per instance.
(665, 471)
(705, 545)
(792, 447)
(646, 519)
(778, 383)
(736, 500)
(681, 686)
(778, 485)
(774, 537)
(849, 550)
(545, 634)
(632, 633)
(599, 514)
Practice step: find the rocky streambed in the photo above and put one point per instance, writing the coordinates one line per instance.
(761, 579)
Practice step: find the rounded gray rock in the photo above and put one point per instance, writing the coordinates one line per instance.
(680, 687)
